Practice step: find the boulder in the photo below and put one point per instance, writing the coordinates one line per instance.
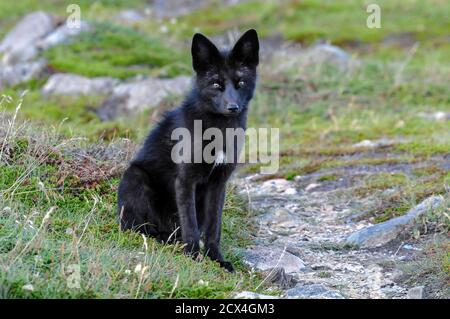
(19, 45)
(60, 35)
(73, 84)
(137, 95)
(383, 233)
(268, 258)
(11, 75)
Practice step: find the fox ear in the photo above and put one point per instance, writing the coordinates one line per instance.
(246, 49)
(204, 53)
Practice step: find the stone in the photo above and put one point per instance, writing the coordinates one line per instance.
(313, 291)
(383, 233)
(73, 85)
(173, 8)
(416, 293)
(267, 258)
(129, 16)
(19, 45)
(436, 116)
(278, 184)
(135, 96)
(374, 144)
(290, 191)
(292, 56)
(60, 35)
(329, 53)
(253, 295)
(11, 75)
(311, 186)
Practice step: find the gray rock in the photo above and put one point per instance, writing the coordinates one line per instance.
(253, 295)
(129, 16)
(11, 75)
(435, 116)
(60, 35)
(135, 96)
(72, 84)
(329, 53)
(416, 292)
(268, 258)
(279, 277)
(19, 44)
(313, 291)
(383, 233)
(293, 56)
(173, 8)
(383, 142)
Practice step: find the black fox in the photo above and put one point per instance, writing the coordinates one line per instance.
(156, 195)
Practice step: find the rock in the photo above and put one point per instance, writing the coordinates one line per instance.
(73, 84)
(383, 233)
(28, 287)
(135, 96)
(311, 186)
(19, 45)
(173, 8)
(291, 57)
(252, 295)
(11, 75)
(279, 277)
(290, 191)
(313, 291)
(374, 144)
(436, 116)
(416, 292)
(267, 258)
(278, 184)
(129, 16)
(60, 35)
(322, 53)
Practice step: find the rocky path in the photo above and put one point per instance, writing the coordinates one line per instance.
(307, 242)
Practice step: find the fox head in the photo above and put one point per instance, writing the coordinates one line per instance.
(225, 80)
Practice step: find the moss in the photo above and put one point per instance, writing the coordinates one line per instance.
(326, 178)
(120, 52)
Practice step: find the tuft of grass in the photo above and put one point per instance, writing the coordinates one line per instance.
(431, 268)
(117, 51)
(58, 215)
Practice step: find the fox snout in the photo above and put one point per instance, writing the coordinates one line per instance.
(233, 107)
(230, 100)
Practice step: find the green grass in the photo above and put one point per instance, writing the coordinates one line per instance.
(430, 269)
(120, 52)
(320, 110)
(43, 175)
(342, 22)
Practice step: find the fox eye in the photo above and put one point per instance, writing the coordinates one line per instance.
(216, 85)
(241, 84)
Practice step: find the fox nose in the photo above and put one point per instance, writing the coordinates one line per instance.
(232, 107)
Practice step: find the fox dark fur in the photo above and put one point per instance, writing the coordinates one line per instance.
(156, 195)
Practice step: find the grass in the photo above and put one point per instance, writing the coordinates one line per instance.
(58, 211)
(310, 20)
(321, 112)
(116, 51)
(430, 269)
